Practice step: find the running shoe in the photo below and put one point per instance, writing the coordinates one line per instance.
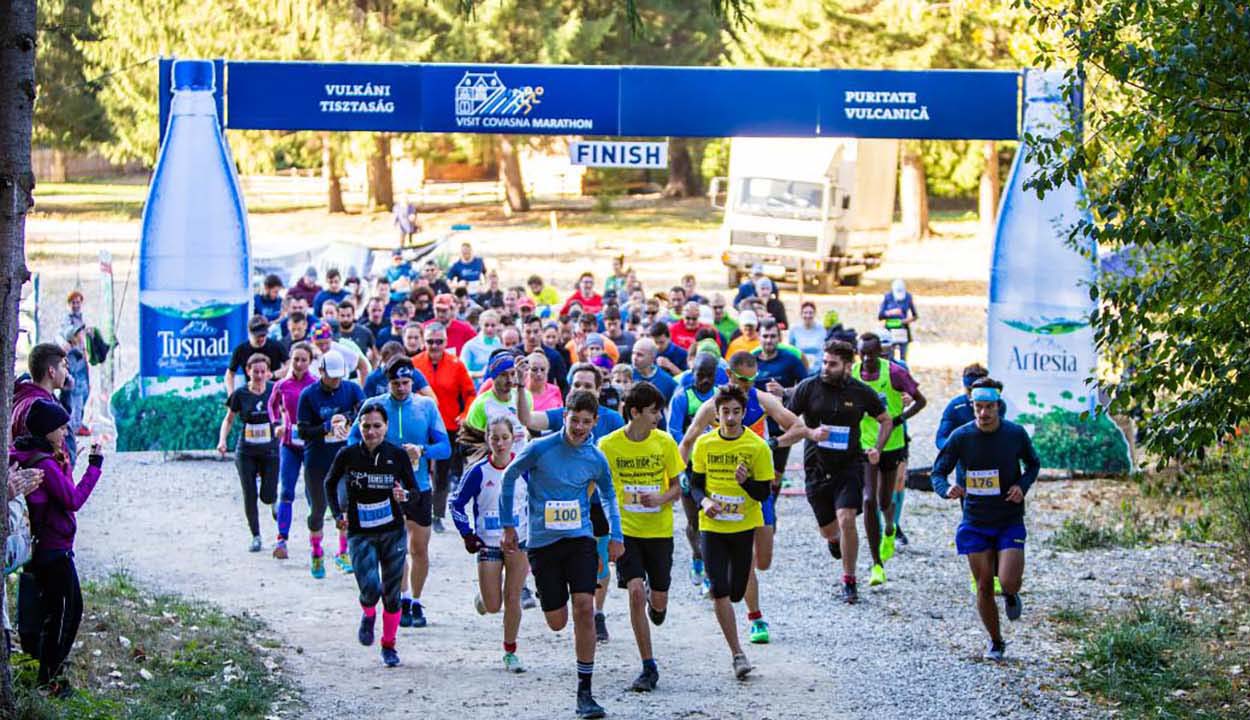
(707, 588)
(438, 526)
(319, 566)
(998, 586)
(887, 547)
(759, 632)
(601, 628)
(512, 663)
(479, 604)
(742, 666)
(657, 616)
(418, 615)
(877, 577)
(587, 707)
(405, 613)
(256, 544)
(996, 651)
(344, 562)
(365, 633)
(646, 681)
(850, 593)
(390, 658)
(835, 549)
(696, 573)
(279, 550)
(527, 599)
(900, 535)
(1015, 606)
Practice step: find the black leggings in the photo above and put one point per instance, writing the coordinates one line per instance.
(727, 561)
(689, 507)
(60, 610)
(252, 468)
(445, 471)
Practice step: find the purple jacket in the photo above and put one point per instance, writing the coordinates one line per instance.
(53, 504)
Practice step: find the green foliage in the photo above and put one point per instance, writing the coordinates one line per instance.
(68, 115)
(1227, 475)
(1152, 662)
(143, 423)
(203, 663)
(1165, 150)
(1080, 534)
(1064, 439)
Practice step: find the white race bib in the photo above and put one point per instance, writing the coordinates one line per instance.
(562, 515)
(730, 507)
(839, 437)
(982, 482)
(257, 433)
(898, 335)
(371, 515)
(631, 498)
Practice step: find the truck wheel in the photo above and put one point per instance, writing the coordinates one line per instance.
(733, 278)
(851, 280)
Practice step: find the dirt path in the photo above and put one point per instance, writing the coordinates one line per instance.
(912, 647)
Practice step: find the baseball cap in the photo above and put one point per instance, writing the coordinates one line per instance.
(748, 317)
(311, 272)
(526, 301)
(757, 269)
(258, 325)
(333, 366)
(445, 300)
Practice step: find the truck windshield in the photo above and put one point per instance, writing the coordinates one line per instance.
(780, 198)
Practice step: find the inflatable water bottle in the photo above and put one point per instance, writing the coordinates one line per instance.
(194, 291)
(1041, 345)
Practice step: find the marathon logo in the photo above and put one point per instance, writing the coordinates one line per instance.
(484, 101)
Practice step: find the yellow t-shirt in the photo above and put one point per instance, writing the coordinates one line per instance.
(718, 459)
(741, 344)
(637, 467)
(546, 296)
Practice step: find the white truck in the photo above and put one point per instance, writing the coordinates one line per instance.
(811, 210)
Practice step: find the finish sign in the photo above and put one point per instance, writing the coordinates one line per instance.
(607, 153)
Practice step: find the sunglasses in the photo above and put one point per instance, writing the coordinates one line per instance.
(744, 378)
(435, 341)
(718, 307)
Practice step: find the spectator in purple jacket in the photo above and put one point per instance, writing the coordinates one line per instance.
(53, 526)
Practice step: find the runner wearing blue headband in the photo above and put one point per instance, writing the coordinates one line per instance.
(992, 533)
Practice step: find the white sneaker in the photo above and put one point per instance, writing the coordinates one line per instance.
(742, 666)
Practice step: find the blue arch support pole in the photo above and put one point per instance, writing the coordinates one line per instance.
(612, 100)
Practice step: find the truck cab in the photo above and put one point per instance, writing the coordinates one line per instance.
(811, 211)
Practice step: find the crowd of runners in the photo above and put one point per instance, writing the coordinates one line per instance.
(563, 433)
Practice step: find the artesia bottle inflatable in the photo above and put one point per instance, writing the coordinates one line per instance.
(194, 293)
(1041, 345)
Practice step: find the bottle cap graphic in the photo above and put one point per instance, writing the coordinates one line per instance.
(194, 75)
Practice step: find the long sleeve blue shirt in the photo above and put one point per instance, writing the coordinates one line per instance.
(317, 405)
(992, 461)
(415, 420)
(561, 479)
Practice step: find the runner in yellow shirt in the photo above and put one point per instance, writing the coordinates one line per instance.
(731, 474)
(645, 468)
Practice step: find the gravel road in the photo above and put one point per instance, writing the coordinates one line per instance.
(912, 647)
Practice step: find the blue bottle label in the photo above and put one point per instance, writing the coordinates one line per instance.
(188, 344)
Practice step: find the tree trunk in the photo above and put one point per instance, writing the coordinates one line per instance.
(683, 181)
(17, 106)
(330, 172)
(914, 195)
(510, 172)
(59, 172)
(987, 201)
(381, 192)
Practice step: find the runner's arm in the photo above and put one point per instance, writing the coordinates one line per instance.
(438, 445)
(702, 419)
(470, 486)
(224, 431)
(677, 416)
(776, 410)
(523, 405)
(943, 466)
(311, 427)
(519, 465)
(229, 381)
(1032, 464)
(945, 428)
(886, 426)
(538, 421)
(332, 484)
(698, 487)
(607, 499)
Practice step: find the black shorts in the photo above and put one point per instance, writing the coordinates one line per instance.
(650, 559)
(727, 561)
(835, 489)
(420, 509)
(564, 567)
(890, 460)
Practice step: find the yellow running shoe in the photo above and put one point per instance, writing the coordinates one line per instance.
(877, 576)
(887, 547)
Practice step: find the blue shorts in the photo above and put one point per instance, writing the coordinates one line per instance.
(971, 539)
(601, 544)
(769, 508)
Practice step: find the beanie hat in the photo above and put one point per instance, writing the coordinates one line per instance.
(45, 416)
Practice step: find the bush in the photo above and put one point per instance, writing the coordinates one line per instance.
(1231, 483)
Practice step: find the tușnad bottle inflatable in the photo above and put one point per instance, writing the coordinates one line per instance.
(194, 265)
(1041, 345)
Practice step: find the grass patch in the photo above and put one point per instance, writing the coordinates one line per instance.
(178, 659)
(1153, 662)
